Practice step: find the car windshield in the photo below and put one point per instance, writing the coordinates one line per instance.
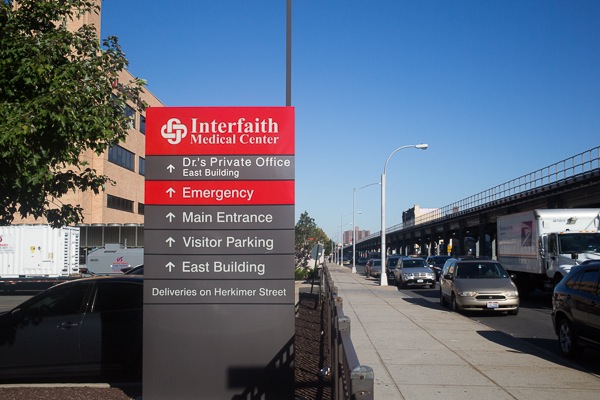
(414, 264)
(480, 271)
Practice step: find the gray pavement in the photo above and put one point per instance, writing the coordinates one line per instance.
(420, 351)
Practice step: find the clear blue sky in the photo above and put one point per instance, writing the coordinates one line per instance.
(497, 89)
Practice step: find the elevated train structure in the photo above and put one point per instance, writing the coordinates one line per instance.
(468, 226)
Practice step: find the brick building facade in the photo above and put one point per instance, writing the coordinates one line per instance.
(123, 202)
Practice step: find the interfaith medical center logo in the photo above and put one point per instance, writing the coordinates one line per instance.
(243, 131)
(174, 131)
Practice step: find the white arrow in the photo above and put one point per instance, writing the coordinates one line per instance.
(170, 216)
(170, 191)
(170, 265)
(170, 168)
(170, 241)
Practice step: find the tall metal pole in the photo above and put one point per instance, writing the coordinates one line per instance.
(384, 281)
(383, 277)
(353, 232)
(288, 55)
(341, 239)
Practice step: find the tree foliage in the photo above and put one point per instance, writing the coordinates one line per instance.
(58, 98)
(308, 234)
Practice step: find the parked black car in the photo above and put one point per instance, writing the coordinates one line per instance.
(390, 265)
(85, 327)
(436, 263)
(576, 309)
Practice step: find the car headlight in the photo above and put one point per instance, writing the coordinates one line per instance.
(511, 293)
(467, 294)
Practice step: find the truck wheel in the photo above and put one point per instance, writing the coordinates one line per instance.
(524, 288)
(567, 339)
(556, 280)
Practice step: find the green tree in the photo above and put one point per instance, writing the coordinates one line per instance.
(308, 234)
(59, 97)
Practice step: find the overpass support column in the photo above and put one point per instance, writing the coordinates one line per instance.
(486, 233)
(459, 243)
(394, 244)
(447, 240)
(481, 242)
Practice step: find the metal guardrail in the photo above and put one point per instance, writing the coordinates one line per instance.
(573, 167)
(350, 380)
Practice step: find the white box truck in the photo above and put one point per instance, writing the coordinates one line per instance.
(539, 247)
(113, 258)
(35, 257)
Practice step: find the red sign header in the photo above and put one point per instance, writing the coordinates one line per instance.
(219, 130)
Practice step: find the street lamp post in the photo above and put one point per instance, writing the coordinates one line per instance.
(341, 261)
(384, 280)
(354, 190)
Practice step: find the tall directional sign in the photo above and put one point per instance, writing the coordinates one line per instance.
(219, 253)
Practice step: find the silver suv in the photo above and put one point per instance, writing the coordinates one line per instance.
(410, 271)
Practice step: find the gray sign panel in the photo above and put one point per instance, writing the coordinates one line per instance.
(226, 266)
(220, 167)
(207, 351)
(218, 291)
(218, 242)
(219, 217)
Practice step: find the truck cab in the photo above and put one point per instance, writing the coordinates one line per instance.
(567, 249)
(539, 247)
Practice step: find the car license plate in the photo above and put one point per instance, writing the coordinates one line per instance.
(419, 280)
(492, 304)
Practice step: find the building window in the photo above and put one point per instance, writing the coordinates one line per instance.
(142, 166)
(121, 156)
(130, 113)
(143, 124)
(141, 208)
(119, 203)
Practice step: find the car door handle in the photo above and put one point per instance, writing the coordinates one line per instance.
(67, 325)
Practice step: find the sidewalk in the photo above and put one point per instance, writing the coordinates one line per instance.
(420, 351)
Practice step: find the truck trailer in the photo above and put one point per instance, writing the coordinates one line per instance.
(539, 247)
(113, 258)
(35, 257)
